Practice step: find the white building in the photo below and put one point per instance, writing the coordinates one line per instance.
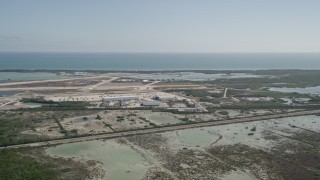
(150, 103)
(119, 98)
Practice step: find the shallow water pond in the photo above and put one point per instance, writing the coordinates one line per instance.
(221, 135)
(249, 133)
(119, 161)
(306, 90)
(197, 137)
(32, 105)
(9, 93)
(239, 175)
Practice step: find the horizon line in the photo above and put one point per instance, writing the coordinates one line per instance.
(169, 52)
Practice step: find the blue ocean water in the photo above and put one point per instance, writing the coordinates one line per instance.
(16, 76)
(159, 61)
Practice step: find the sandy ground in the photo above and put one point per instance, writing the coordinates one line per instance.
(118, 120)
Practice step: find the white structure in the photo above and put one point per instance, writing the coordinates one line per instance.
(189, 102)
(80, 73)
(150, 103)
(186, 109)
(119, 98)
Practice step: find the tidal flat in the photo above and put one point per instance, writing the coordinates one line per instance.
(271, 149)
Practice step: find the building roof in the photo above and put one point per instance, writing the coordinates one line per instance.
(117, 98)
(151, 103)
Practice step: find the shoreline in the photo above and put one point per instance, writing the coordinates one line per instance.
(206, 71)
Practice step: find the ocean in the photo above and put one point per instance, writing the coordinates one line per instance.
(159, 61)
(17, 76)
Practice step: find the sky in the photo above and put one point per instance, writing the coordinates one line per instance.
(160, 25)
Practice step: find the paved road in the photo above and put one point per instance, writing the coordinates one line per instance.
(163, 129)
(225, 93)
(4, 86)
(87, 89)
(8, 103)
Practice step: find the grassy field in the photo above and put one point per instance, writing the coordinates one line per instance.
(14, 166)
(35, 164)
(51, 105)
(12, 123)
(264, 93)
(196, 92)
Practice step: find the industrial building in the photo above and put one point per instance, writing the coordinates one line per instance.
(119, 98)
(150, 103)
(197, 109)
(186, 109)
(165, 99)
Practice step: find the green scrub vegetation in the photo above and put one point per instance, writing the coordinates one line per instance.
(15, 166)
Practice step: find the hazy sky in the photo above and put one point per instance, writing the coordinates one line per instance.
(160, 25)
